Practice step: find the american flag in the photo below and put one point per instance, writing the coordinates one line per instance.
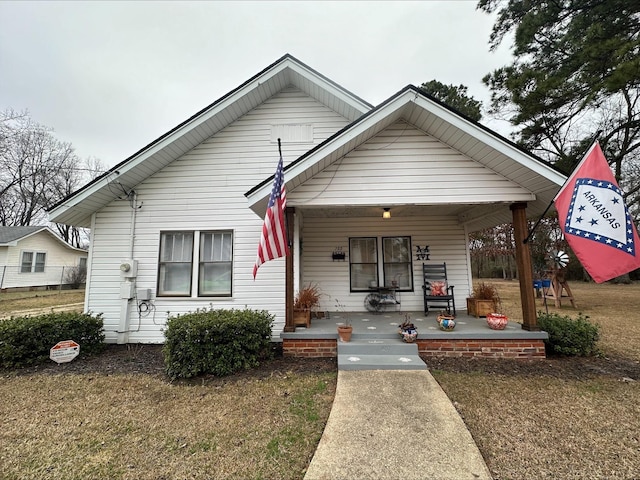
(273, 241)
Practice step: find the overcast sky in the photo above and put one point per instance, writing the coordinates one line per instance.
(110, 77)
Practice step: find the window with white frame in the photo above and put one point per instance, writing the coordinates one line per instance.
(365, 269)
(216, 252)
(211, 271)
(32, 262)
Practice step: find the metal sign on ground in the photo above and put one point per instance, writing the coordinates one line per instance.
(65, 351)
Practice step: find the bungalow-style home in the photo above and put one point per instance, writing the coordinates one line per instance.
(372, 193)
(35, 257)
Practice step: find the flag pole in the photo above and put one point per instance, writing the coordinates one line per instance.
(546, 210)
(286, 222)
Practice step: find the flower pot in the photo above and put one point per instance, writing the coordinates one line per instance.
(302, 318)
(480, 307)
(447, 322)
(497, 321)
(344, 332)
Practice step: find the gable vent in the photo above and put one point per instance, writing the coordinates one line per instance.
(292, 133)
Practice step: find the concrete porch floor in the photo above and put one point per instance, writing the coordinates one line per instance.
(385, 325)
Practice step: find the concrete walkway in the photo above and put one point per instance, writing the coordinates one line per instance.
(392, 425)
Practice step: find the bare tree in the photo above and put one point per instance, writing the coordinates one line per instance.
(37, 171)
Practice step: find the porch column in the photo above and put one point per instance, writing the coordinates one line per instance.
(289, 325)
(525, 269)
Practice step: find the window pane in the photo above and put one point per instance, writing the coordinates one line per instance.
(177, 247)
(40, 261)
(27, 260)
(175, 279)
(396, 249)
(364, 276)
(363, 250)
(398, 272)
(215, 247)
(215, 279)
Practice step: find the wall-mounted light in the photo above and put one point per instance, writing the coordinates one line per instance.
(386, 213)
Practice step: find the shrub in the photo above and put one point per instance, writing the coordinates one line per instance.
(568, 336)
(217, 342)
(75, 277)
(27, 341)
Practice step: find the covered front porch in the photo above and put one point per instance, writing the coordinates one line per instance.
(471, 336)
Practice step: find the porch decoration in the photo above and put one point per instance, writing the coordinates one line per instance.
(344, 331)
(497, 321)
(446, 321)
(407, 330)
(422, 254)
(338, 254)
(484, 300)
(306, 300)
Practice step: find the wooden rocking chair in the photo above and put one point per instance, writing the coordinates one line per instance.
(436, 288)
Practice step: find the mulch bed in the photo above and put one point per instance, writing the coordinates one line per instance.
(148, 359)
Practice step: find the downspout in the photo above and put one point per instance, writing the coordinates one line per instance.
(87, 281)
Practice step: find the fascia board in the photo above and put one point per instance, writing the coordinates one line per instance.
(492, 141)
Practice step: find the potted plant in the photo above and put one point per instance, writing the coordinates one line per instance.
(484, 300)
(407, 330)
(307, 299)
(345, 329)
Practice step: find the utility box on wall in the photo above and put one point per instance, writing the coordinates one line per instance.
(144, 294)
(127, 290)
(128, 268)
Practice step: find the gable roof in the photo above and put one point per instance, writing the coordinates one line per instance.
(472, 139)
(76, 209)
(10, 236)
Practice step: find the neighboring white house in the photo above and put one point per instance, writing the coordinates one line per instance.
(35, 257)
(176, 226)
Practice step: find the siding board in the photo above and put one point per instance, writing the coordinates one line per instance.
(203, 190)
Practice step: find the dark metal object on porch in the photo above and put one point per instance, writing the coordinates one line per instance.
(381, 298)
(436, 288)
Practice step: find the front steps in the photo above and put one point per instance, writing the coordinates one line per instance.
(365, 353)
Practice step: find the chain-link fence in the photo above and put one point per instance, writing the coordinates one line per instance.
(49, 277)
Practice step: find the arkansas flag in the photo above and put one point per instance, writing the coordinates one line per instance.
(595, 220)
(273, 241)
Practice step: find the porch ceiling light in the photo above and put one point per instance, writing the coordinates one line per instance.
(386, 213)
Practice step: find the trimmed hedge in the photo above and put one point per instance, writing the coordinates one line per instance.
(27, 341)
(567, 336)
(216, 342)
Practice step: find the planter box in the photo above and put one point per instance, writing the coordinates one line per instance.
(480, 308)
(301, 318)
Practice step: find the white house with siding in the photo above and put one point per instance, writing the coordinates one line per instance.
(176, 226)
(35, 257)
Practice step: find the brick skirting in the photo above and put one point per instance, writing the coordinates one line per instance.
(505, 348)
(311, 348)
